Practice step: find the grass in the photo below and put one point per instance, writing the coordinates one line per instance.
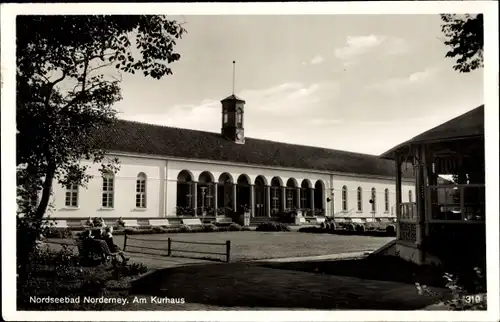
(249, 245)
(258, 245)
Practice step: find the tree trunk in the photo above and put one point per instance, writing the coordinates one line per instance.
(46, 190)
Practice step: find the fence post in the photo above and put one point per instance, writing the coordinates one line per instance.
(125, 242)
(228, 250)
(169, 250)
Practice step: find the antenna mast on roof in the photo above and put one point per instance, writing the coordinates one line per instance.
(234, 72)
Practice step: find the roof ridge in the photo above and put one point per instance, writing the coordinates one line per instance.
(253, 139)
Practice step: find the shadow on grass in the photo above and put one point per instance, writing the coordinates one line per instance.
(372, 233)
(254, 285)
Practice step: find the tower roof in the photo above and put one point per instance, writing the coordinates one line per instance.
(233, 98)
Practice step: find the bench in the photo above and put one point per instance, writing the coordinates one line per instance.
(130, 222)
(191, 221)
(143, 223)
(159, 222)
(91, 248)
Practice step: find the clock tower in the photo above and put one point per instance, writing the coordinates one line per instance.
(232, 119)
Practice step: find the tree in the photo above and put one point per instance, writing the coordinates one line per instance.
(65, 92)
(465, 37)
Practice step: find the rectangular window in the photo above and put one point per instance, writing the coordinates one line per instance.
(71, 199)
(107, 192)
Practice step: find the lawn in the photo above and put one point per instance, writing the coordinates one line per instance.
(251, 245)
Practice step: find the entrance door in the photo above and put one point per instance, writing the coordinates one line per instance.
(260, 193)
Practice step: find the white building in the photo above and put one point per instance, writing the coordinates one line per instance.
(172, 173)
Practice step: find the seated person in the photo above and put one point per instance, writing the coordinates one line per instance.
(108, 238)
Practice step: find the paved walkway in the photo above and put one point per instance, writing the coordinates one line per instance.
(351, 255)
(251, 285)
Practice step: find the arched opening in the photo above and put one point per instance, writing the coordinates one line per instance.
(260, 197)
(276, 205)
(242, 193)
(291, 194)
(225, 194)
(185, 194)
(319, 204)
(305, 196)
(205, 194)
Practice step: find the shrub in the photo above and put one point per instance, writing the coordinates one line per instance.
(93, 286)
(272, 226)
(311, 229)
(246, 228)
(129, 231)
(185, 229)
(159, 230)
(127, 270)
(209, 228)
(234, 227)
(463, 298)
(53, 232)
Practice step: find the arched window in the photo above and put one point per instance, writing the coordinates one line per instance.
(410, 197)
(360, 199)
(108, 190)
(344, 198)
(374, 200)
(71, 199)
(386, 195)
(185, 193)
(140, 191)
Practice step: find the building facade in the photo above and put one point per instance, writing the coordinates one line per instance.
(173, 173)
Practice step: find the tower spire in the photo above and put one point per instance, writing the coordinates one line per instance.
(234, 74)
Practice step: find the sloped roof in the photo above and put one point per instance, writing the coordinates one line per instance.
(142, 138)
(470, 124)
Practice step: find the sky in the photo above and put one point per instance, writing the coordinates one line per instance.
(361, 83)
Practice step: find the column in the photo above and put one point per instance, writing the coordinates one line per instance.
(215, 198)
(312, 201)
(252, 200)
(235, 186)
(420, 194)
(268, 201)
(195, 198)
(398, 195)
(283, 198)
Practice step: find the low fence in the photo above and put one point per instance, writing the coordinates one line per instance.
(170, 242)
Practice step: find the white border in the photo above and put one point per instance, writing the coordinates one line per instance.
(490, 10)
